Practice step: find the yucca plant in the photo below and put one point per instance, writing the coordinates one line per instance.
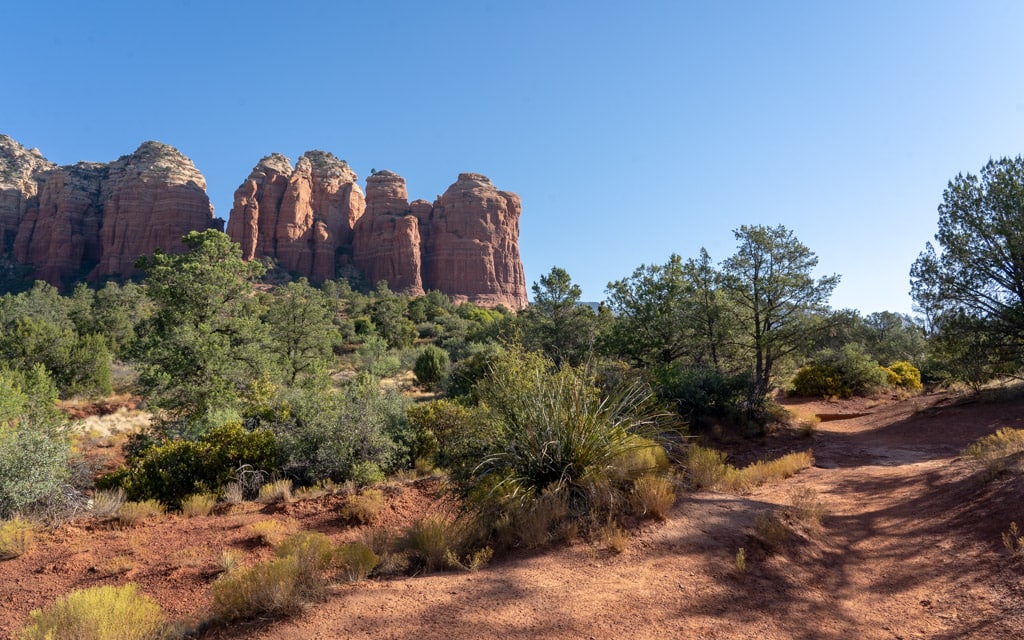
(558, 430)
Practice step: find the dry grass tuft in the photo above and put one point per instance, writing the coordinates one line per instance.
(653, 496)
(429, 541)
(615, 538)
(272, 532)
(200, 504)
(277, 491)
(106, 504)
(1013, 541)
(707, 469)
(364, 507)
(770, 529)
(99, 613)
(233, 493)
(15, 537)
(132, 513)
(807, 508)
(993, 452)
(229, 560)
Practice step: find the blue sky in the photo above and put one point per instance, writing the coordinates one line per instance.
(630, 130)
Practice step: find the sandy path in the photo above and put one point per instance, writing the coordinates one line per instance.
(911, 550)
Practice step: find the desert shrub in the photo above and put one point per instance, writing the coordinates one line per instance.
(133, 513)
(34, 442)
(844, 373)
(642, 456)
(200, 504)
(447, 432)
(229, 560)
(818, 380)
(15, 537)
(364, 507)
(99, 613)
(233, 493)
(174, 469)
(615, 538)
(106, 503)
(653, 496)
(533, 522)
(271, 588)
(705, 467)
(807, 508)
(702, 393)
(355, 561)
(770, 529)
(431, 366)
(271, 532)
(276, 491)
(339, 435)
(429, 540)
(765, 471)
(993, 452)
(278, 587)
(904, 375)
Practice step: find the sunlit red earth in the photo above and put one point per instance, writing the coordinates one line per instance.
(911, 549)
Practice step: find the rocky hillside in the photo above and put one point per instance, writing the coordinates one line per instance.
(93, 220)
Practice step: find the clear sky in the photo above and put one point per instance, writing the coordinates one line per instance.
(631, 130)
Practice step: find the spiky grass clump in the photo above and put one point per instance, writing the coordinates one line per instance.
(16, 537)
(99, 613)
(277, 491)
(200, 504)
(131, 514)
(705, 467)
(272, 532)
(106, 503)
(428, 541)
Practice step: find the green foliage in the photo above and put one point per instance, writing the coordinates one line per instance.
(172, 470)
(33, 441)
(556, 323)
(769, 280)
(99, 613)
(337, 435)
(700, 394)
(431, 366)
(556, 429)
(205, 344)
(849, 372)
(376, 359)
(449, 434)
(302, 332)
(388, 316)
(972, 285)
(355, 561)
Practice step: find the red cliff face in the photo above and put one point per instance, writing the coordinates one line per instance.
(303, 218)
(313, 219)
(386, 243)
(471, 250)
(95, 220)
(18, 186)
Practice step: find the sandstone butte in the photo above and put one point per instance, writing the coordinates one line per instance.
(93, 220)
(314, 220)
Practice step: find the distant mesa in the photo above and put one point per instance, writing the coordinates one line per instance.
(93, 220)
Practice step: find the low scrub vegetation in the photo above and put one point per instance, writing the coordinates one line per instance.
(16, 537)
(708, 469)
(131, 514)
(994, 452)
(653, 496)
(99, 613)
(201, 504)
(364, 507)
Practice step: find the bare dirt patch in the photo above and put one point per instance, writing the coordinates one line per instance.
(910, 549)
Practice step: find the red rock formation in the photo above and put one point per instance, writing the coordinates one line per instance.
(151, 199)
(100, 218)
(386, 244)
(302, 218)
(18, 186)
(471, 251)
